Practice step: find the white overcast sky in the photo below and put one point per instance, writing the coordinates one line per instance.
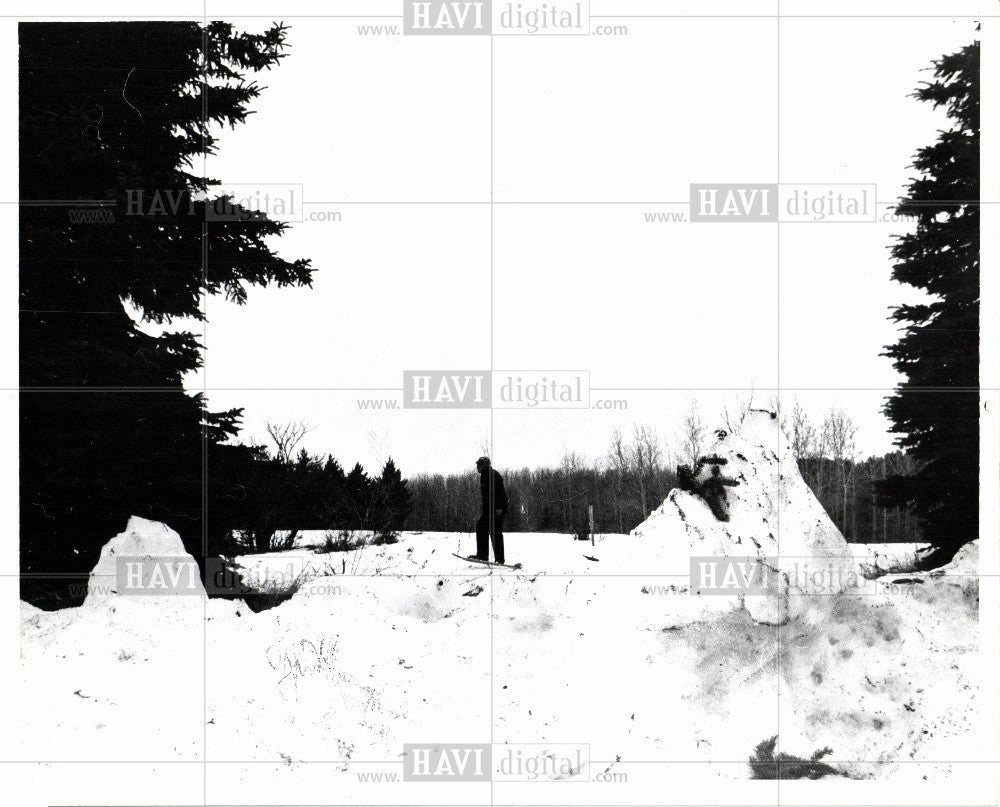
(371, 126)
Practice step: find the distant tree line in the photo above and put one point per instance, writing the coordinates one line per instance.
(263, 499)
(846, 485)
(541, 500)
(633, 478)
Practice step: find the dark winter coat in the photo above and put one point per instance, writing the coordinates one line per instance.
(497, 497)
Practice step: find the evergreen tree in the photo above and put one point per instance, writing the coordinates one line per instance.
(330, 501)
(123, 114)
(936, 408)
(393, 498)
(357, 498)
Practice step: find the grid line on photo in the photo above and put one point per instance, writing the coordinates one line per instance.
(492, 682)
(392, 761)
(943, 389)
(510, 574)
(204, 425)
(681, 16)
(777, 447)
(598, 575)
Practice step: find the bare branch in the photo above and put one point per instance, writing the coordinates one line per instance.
(286, 437)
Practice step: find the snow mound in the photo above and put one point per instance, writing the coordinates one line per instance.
(153, 545)
(769, 516)
(966, 560)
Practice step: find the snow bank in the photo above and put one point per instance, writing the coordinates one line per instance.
(603, 644)
(965, 562)
(120, 676)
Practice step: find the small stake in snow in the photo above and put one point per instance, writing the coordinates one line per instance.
(590, 519)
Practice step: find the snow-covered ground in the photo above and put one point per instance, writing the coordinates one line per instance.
(598, 644)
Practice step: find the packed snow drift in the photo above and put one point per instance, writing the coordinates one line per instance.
(606, 644)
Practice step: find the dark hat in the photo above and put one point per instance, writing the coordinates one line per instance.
(483, 461)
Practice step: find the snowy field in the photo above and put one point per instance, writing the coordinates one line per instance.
(385, 645)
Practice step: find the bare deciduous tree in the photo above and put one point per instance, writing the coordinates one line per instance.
(838, 435)
(692, 434)
(647, 458)
(801, 432)
(618, 453)
(618, 462)
(286, 437)
(484, 444)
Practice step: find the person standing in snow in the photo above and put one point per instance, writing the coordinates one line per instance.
(490, 524)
